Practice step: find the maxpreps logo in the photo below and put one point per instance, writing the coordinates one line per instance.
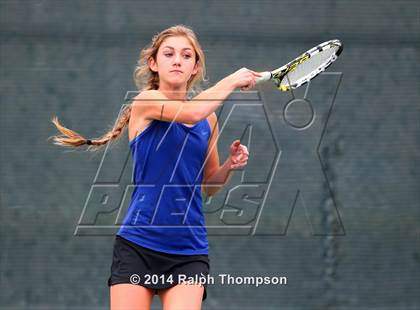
(285, 178)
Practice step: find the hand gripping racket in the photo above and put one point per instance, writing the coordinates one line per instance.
(305, 67)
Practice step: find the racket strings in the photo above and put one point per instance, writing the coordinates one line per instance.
(310, 67)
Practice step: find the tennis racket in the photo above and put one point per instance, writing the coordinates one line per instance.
(305, 67)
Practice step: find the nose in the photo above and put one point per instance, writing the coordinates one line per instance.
(177, 59)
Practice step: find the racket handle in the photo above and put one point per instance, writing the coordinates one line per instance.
(266, 76)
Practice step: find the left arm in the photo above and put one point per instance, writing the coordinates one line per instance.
(216, 176)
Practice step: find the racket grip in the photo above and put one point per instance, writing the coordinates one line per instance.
(266, 76)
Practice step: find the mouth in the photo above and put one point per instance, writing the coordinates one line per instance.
(179, 71)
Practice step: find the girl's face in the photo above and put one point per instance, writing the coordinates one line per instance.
(175, 62)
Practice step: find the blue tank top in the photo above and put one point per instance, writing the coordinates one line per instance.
(165, 212)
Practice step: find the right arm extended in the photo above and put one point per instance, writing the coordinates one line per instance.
(153, 104)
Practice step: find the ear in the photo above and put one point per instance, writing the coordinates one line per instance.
(152, 64)
(195, 70)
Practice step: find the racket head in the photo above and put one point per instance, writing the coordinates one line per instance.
(307, 66)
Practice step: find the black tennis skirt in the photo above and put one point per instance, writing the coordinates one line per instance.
(132, 263)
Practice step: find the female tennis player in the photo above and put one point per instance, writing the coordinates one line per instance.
(161, 247)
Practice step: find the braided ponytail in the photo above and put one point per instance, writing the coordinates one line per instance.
(70, 138)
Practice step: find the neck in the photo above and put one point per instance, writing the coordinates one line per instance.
(173, 92)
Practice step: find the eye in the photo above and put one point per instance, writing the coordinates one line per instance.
(168, 54)
(187, 56)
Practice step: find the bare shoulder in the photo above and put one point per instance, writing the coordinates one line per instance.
(138, 119)
(144, 101)
(150, 95)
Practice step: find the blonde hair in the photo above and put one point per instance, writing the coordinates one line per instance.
(145, 79)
